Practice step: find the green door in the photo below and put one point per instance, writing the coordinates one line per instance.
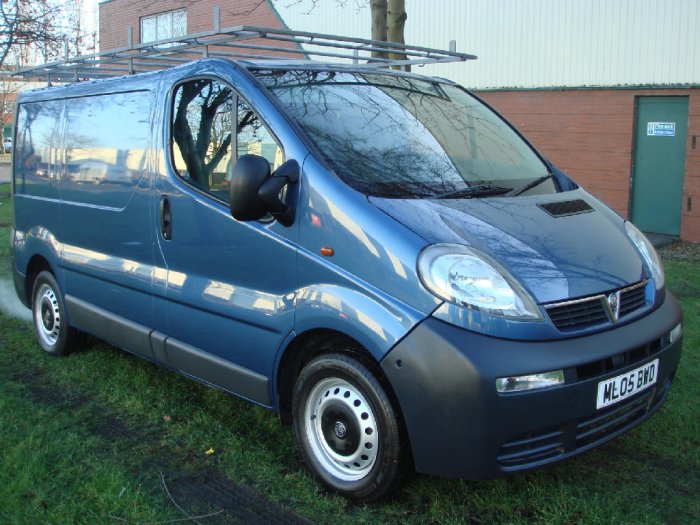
(659, 164)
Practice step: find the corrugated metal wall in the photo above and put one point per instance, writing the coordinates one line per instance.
(536, 43)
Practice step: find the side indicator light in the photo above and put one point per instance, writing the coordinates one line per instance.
(327, 251)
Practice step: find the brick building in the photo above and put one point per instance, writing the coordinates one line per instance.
(590, 134)
(162, 19)
(610, 92)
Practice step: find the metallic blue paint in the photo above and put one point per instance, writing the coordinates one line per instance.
(243, 291)
(555, 258)
(542, 251)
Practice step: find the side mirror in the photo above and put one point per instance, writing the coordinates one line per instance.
(269, 192)
(248, 175)
(254, 191)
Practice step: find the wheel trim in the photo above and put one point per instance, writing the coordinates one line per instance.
(342, 429)
(47, 316)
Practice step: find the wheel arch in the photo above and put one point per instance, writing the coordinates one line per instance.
(306, 346)
(37, 264)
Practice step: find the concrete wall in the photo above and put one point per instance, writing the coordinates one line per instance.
(590, 135)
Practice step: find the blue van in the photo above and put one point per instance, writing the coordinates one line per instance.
(374, 254)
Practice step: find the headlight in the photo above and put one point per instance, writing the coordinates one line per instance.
(467, 277)
(648, 253)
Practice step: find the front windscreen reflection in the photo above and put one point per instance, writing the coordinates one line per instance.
(399, 136)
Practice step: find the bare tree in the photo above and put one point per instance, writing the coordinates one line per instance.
(8, 95)
(378, 9)
(77, 37)
(42, 27)
(388, 22)
(395, 23)
(28, 22)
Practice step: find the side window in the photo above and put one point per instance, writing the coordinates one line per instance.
(201, 134)
(253, 137)
(37, 150)
(202, 131)
(106, 147)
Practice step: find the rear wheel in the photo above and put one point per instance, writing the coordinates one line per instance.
(50, 322)
(347, 429)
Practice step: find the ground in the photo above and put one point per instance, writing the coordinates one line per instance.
(104, 437)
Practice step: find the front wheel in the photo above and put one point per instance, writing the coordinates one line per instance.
(347, 429)
(50, 322)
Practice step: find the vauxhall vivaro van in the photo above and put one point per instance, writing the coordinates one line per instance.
(376, 255)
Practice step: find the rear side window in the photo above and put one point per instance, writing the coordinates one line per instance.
(208, 118)
(37, 165)
(106, 146)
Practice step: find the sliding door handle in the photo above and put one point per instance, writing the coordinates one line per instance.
(166, 218)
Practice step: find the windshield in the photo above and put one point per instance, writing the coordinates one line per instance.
(402, 137)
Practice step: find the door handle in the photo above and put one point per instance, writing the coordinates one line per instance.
(166, 218)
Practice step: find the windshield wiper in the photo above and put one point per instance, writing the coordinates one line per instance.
(479, 190)
(528, 186)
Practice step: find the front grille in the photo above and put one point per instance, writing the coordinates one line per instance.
(590, 311)
(632, 299)
(531, 449)
(535, 450)
(612, 420)
(579, 314)
(610, 364)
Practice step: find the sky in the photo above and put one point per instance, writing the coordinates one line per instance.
(90, 11)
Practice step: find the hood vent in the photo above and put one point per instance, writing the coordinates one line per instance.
(566, 208)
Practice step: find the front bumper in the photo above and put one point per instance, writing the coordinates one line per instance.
(460, 426)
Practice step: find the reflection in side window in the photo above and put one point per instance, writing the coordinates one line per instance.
(201, 132)
(201, 135)
(254, 138)
(36, 151)
(106, 147)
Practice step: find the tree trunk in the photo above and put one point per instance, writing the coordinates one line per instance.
(396, 20)
(378, 8)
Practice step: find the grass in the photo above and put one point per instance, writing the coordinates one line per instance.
(97, 437)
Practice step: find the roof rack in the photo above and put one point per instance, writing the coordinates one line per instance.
(238, 42)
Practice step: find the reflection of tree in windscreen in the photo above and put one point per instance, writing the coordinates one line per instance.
(202, 127)
(402, 136)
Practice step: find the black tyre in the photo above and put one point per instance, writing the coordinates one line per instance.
(50, 321)
(348, 432)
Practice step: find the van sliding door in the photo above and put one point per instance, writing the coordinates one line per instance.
(108, 241)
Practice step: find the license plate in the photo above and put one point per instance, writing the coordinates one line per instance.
(621, 387)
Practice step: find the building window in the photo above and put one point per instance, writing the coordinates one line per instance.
(163, 26)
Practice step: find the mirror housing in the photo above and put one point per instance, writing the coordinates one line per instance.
(269, 192)
(254, 191)
(248, 175)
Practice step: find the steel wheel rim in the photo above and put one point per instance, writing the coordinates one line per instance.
(47, 316)
(342, 429)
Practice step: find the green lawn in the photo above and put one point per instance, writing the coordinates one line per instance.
(99, 436)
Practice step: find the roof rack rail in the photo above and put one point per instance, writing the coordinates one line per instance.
(238, 42)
